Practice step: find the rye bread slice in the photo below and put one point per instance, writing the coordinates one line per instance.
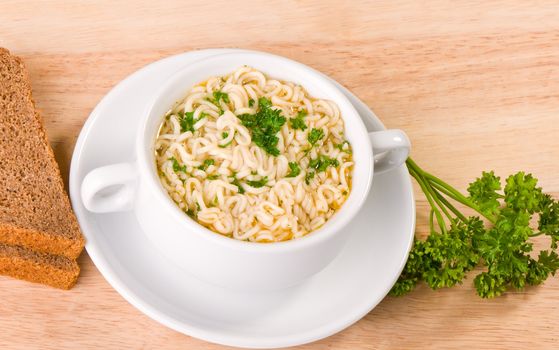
(35, 212)
(53, 270)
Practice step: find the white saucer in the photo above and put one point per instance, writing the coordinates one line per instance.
(332, 300)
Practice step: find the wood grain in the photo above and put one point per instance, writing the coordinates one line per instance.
(475, 85)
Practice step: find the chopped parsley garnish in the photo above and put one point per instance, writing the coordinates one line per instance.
(315, 135)
(309, 177)
(227, 144)
(206, 164)
(298, 122)
(237, 183)
(224, 135)
(250, 102)
(294, 170)
(258, 183)
(198, 206)
(176, 166)
(192, 214)
(218, 95)
(186, 121)
(264, 125)
(213, 177)
(340, 146)
(322, 162)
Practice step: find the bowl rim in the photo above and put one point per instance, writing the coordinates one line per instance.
(145, 153)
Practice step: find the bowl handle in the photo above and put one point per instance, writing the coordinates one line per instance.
(390, 149)
(110, 188)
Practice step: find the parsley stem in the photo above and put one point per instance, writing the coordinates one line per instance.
(446, 189)
(431, 221)
(452, 207)
(421, 182)
(437, 197)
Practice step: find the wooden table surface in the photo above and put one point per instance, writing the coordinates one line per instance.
(474, 84)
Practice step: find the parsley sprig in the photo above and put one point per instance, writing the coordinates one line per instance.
(498, 239)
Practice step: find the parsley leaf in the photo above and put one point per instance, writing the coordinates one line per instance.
(176, 166)
(298, 122)
(322, 162)
(548, 222)
(206, 164)
(237, 183)
(315, 135)
(225, 145)
(342, 147)
(218, 95)
(294, 169)
(264, 125)
(251, 102)
(309, 176)
(213, 177)
(258, 183)
(186, 121)
(224, 134)
(192, 214)
(483, 192)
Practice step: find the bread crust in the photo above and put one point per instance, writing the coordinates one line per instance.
(35, 211)
(55, 271)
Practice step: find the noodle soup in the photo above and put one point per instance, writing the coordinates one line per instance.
(254, 158)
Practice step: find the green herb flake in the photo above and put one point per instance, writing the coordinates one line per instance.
(186, 121)
(192, 214)
(206, 164)
(176, 165)
(225, 145)
(251, 102)
(322, 162)
(341, 147)
(264, 126)
(309, 176)
(218, 95)
(237, 183)
(258, 183)
(294, 170)
(224, 134)
(298, 122)
(315, 135)
(213, 177)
